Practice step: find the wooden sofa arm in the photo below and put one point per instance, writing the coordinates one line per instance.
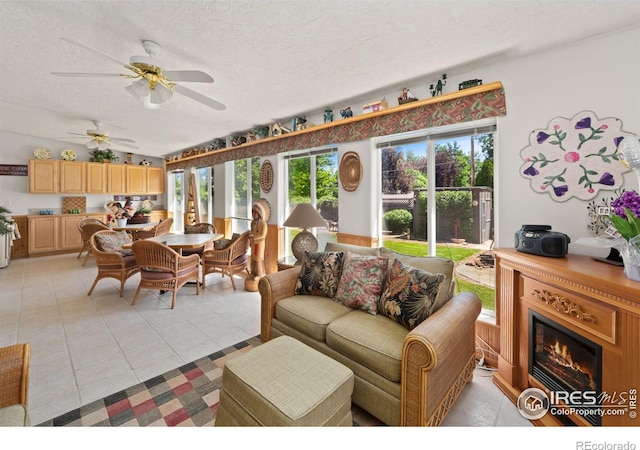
(434, 353)
(273, 288)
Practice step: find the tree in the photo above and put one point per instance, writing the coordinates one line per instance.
(486, 145)
(447, 166)
(395, 176)
(485, 174)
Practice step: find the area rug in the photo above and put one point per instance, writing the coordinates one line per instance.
(184, 397)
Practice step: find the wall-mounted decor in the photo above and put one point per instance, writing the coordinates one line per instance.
(266, 176)
(575, 157)
(350, 171)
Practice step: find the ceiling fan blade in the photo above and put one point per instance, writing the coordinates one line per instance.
(77, 134)
(192, 76)
(121, 139)
(74, 74)
(122, 63)
(199, 97)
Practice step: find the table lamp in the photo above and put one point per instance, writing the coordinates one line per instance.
(304, 216)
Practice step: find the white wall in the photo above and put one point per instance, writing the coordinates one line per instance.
(14, 190)
(599, 74)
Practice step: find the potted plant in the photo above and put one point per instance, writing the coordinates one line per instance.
(6, 223)
(102, 156)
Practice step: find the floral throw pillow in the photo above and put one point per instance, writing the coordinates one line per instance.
(319, 274)
(410, 294)
(362, 281)
(197, 229)
(114, 243)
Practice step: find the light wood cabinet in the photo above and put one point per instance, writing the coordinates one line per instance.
(56, 233)
(43, 234)
(96, 178)
(116, 178)
(155, 180)
(48, 176)
(43, 176)
(136, 179)
(72, 177)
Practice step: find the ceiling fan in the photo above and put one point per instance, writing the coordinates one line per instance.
(100, 140)
(152, 84)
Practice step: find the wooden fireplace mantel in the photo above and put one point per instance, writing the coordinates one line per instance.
(592, 298)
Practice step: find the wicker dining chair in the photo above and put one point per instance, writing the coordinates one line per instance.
(14, 374)
(112, 260)
(204, 228)
(229, 260)
(87, 227)
(162, 228)
(163, 268)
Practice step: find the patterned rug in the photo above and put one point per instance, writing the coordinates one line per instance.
(184, 397)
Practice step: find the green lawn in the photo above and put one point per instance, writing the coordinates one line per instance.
(456, 254)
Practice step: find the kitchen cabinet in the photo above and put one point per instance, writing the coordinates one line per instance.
(72, 177)
(56, 233)
(43, 234)
(116, 178)
(96, 178)
(155, 180)
(136, 179)
(43, 176)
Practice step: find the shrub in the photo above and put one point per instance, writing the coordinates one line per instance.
(398, 220)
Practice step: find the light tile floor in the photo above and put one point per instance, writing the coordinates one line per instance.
(86, 347)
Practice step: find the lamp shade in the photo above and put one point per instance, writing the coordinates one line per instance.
(304, 215)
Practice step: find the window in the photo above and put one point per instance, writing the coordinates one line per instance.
(205, 194)
(437, 191)
(246, 192)
(175, 198)
(313, 178)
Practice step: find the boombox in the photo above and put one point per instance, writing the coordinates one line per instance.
(540, 240)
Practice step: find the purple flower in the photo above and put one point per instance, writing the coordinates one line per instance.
(542, 136)
(607, 179)
(531, 171)
(618, 140)
(560, 190)
(630, 200)
(584, 123)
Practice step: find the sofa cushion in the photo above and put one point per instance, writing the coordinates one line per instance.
(202, 228)
(431, 264)
(319, 274)
(362, 281)
(380, 351)
(337, 247)
(310, 314)
(410, 294)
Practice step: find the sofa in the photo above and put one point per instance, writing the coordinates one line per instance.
(406, 373)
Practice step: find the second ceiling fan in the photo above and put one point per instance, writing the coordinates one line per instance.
(152, 84)
(100, 140)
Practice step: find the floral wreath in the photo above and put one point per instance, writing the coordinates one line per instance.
(575, 157)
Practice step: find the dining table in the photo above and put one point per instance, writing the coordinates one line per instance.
(180, 241)
(134, 228)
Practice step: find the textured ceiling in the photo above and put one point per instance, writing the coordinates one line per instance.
(270, 59)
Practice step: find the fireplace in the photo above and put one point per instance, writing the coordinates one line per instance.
(564, 361)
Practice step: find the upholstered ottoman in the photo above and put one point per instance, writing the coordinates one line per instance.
(285, 383)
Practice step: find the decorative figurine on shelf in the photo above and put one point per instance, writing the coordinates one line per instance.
(406, 97)
(260, 212)
(129, 159)
(328, 115)
(469, 83)
(276, 129)
(439, 85)
(301, 123)
(261, 132)
(144, 162)
(346, 113)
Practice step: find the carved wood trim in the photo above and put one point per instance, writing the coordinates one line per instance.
(563, 305)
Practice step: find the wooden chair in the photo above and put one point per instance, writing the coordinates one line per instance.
(162, 228)
(163, 268)
(202, 227)
(228, 261)
(111, 261)
(87, 227)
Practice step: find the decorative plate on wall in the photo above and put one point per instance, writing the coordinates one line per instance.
(350, 171)
(575, 157)
(266, 176)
